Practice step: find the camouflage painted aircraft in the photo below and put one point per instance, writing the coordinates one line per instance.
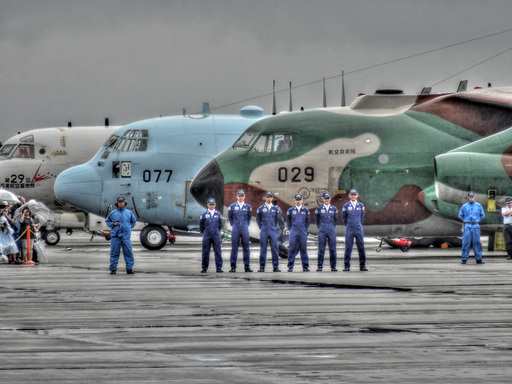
(412, 158)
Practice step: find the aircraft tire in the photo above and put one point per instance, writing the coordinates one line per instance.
(283, 250)
(51, 237)
(153, 237)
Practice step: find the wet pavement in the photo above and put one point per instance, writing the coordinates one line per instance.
(415, 317)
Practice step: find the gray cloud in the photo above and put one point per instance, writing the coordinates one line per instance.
(81, 61)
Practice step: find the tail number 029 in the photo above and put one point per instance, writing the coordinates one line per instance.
(296, 174)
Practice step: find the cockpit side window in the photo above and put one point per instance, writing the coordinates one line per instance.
(24, 151)
(7, 149)
(244, 141)
(282, 143)
(263, 145)
(111, 141)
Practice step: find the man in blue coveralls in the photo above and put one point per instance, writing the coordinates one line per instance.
(297, 221)
(471, 214)
(353, 217)
(121, 221)
(326, 217)
(210, 225)
(239, 216)
(506, 212)
(267, 218)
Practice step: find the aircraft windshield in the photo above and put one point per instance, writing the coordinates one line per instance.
(275, 143)
(24, 151)
(245, 140)
(7, 149)
(133, 140)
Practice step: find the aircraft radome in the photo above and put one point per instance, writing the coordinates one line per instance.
(151, 163)
(31, 161)
(413, 158)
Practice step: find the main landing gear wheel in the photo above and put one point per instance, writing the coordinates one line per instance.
(51, 237)
(153, 237)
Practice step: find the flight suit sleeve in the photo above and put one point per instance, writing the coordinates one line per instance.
(336, 218)
(308, 220)
(220, 225)
(230, 216)
(344, 216)
(482, 214)
(363, 212)
(201, 224)
(258, 218)
(110, 220)
(249, 215)
(288, 220)
(317, 217)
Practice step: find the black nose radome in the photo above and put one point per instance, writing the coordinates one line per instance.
(209, 182)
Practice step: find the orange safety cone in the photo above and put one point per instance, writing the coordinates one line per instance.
(29, 250)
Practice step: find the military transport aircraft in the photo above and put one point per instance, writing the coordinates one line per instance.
(413, 158)
(151, 163)
(31, 161)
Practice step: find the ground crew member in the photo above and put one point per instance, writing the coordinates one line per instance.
(297, 221)
(121, 221)
(471, 214)
(210, 225)
(353, 217)
(239, 216)
(326, 217)
(267, 218)
(506, 212)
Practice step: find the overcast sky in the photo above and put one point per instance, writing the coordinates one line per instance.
(84, 60)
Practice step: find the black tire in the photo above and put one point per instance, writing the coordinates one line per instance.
(51, 237)
(153, 237)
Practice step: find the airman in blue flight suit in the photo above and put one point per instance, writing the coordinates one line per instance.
(326, 218)
(471, 214)
(353, 217)
(121, 221)
(297, 221)
(210, 225)
(267, 218)
(239, 216)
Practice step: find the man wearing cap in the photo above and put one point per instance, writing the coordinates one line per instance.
(353, 217)
(297, 221)
(326, 218)
(506, 212)
(239, 216)
(471, 214)
(121, 221)
(210, 225)
(267, 218)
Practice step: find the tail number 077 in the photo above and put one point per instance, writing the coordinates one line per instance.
(156, 175)
(296, 174)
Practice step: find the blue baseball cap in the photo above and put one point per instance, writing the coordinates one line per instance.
(326, 195)
(298, 196)
(353, 191)
(471, 194)
(240, 192)
(508, 200)
(211, 201)
(269, 194)
(120, 199)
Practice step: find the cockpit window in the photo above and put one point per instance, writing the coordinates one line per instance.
(111, 141)
(282, 143)
(263, 145)
(133, 140)
(24, 151)
(245, 140)
(7, 149)
(27, 139)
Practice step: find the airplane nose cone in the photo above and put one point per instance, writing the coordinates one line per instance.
(80, 186)
(209, 182)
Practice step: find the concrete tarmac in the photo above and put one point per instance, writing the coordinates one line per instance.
(415, 317)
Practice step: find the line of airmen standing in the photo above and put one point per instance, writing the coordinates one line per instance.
(269, 218)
